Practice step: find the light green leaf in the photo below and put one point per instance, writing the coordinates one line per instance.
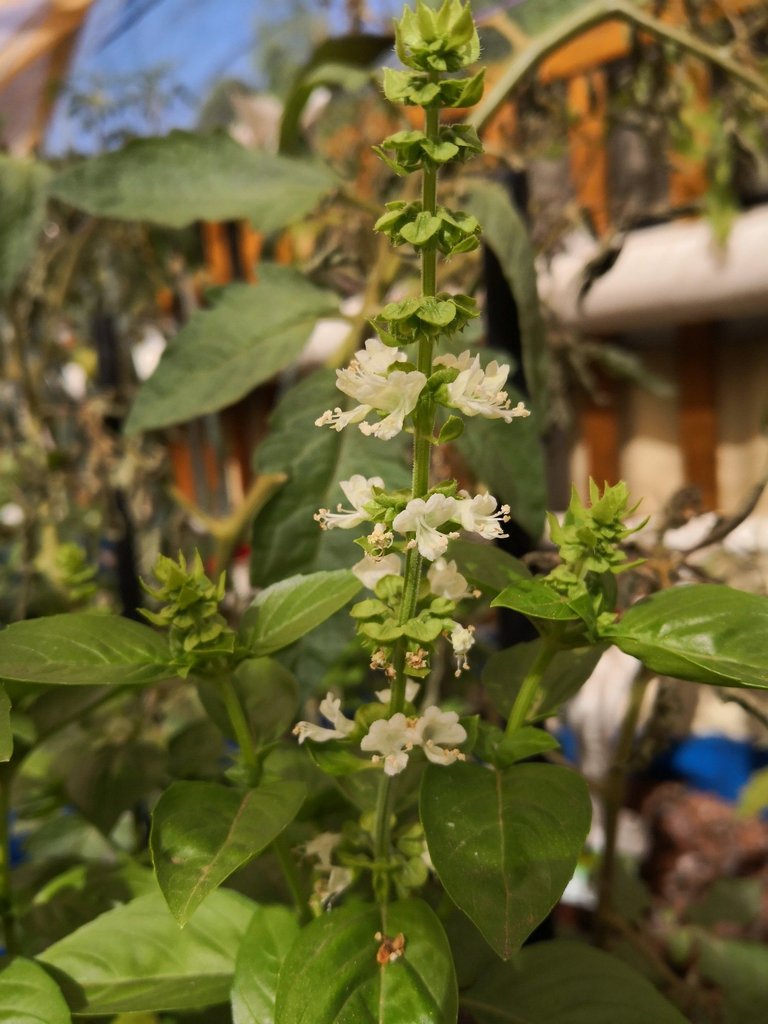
(270, 936)
(22, 212)
(84, 648)
(202, 832)
(135, 957)
(6, 732)
(753, 798)
(250, 334)
(508, 459)
(506, 670)
(286, 539)
(30, 996)
(177, 179)
(287, 610)
(331, 975)
(486, 565)
(504, 843)
(740, 969)
(505, 232)
(707, 633)
(536, 599)
(268, 693)
(566, 983)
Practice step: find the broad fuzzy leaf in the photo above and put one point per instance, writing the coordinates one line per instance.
(202, 832)
(177, 179)
(28, 995)
(705, 633)
(504, 843)
(331, 975)
(250, 334)
(272, 932)
(136, 958)
(83, 648)
(287, 610)
(566, 983)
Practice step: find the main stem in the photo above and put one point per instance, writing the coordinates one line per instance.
(527, 692)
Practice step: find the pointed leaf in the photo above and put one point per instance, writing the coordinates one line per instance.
(6, 732)
(505, 672)
(136, 957)
(331, 975)
(704, 632)
(202, 832)
(180, 178)
(536, 599)
(250, 334)
(287, 610)
(84, 648)
(566, 983)
(271, 934)
(286, 539)
(22, 211)
(504, 843)
(28, 995)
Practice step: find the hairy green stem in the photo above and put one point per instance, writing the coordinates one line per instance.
(527, 693)
(384, 802)
(7, 917)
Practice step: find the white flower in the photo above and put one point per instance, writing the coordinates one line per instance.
(446, 581)
(397, 396)
(422, 517)
(322, 846)
(462, 641)
(391, 739)
(434, 730)
(377, 357)
(479, 392)
(370, 570)
(411, 690)
(479, 515)
(330, 708)
(359, 491)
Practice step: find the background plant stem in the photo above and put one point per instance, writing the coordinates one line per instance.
(7, 916)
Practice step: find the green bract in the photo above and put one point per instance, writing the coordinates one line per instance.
(414, 90)
(442, 40)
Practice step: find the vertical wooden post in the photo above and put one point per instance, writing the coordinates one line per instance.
(587, 96)
(697, 408)
(600, 434)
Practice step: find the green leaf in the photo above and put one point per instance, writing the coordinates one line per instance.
(84, 648)
(22, 212)
(753, 798)
(508, 459)
(268, 693)
(536, 599)
(502, 750)
(565, 982)
(270, 936)
(740, 969)
(707, 633)
(287, 610)
(286, 539)
(504, 231)
(250, 334)
(136, 958)
(30, 996)
(177, 179)
(331, 975)
(194, 852)
(486, 565)
(6, 732)
(504, 843)
(506, 670)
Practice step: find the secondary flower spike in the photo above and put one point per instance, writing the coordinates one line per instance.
(480, 392)
(330, 708)
(359, 491)
(422, 518)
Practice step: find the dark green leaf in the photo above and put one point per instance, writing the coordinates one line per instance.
(504, 843)
(506, 670)
(135, 957)
(509, 460)
(250, 334)
(331, 975)
(6, 732)
(30, 996)
(268, 693)
(287, 610)
(505, 232)
(526, 742)
(566, 983)
(270, 935)
(109, 778)
(22, 212)
(705, 633)
(486, 565)
(536, 599)
(180, 178)
(286, 539)
(202, 832)
(84, 648)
